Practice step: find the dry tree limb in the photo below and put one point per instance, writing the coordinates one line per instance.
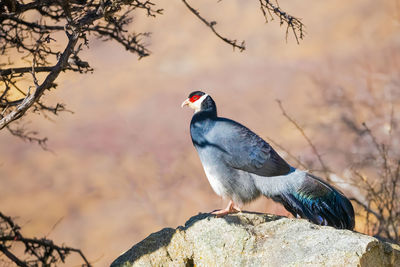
(266, 6)
(47, 83)
(32, 39)
(12, 257)
(6, 72)
(211, 25)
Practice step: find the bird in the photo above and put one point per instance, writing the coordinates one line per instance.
(241, 166)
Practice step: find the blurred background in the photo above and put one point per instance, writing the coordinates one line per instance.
(122, 165)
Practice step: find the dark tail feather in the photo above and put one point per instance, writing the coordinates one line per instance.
(320, 203)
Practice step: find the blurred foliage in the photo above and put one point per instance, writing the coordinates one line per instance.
(364, 123)
(367, 110)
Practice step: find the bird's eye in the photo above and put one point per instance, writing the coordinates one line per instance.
(194, 98)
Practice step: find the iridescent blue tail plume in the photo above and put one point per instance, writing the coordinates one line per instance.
(318, 202)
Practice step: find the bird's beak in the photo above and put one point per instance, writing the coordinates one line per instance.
(185, 103)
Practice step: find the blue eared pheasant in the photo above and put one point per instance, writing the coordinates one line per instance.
(241, 166)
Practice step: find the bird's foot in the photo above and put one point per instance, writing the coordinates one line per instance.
(231, 208)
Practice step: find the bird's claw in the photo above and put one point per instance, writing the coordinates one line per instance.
(231, 208)
(222, 213)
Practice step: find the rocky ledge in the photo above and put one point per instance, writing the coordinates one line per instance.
(252, 239)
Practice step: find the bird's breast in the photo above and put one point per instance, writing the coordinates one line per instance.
(215, 181)
(214, 169)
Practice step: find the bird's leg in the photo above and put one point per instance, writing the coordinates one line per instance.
(231, 208)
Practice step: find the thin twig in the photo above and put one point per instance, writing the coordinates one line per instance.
(211, 25)
(291, 22)
(300, 129)
(300, 163)
(43, 252)
(365, 207)
(29, 136)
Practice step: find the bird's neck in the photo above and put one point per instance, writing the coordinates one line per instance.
(208, 109)
(203, 121)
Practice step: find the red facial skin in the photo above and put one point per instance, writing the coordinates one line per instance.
(194, 98)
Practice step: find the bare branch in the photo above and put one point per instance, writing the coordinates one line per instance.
(9, 71)
(29, 136)
(211, 25)
(12, 257)
(41, 252)
(47, 83)
(366, 208)
(107, 20)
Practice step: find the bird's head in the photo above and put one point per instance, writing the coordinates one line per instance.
(198, 100)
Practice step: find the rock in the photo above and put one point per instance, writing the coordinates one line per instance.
(252, 239)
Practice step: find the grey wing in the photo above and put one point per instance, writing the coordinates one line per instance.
(245, 150)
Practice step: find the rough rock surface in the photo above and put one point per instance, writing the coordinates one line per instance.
(251, 239)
